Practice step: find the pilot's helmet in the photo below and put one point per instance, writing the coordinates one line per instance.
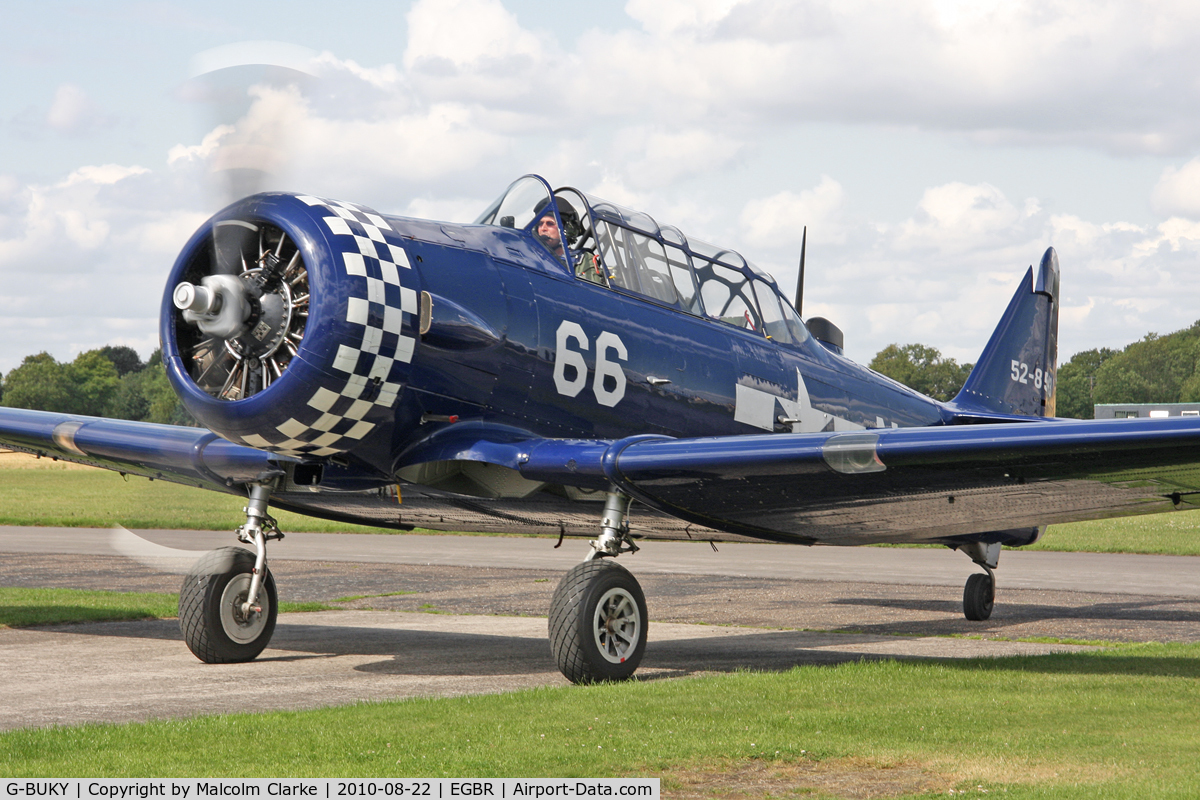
(572, 228)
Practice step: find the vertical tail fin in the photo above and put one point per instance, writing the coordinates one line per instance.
(1016, 374)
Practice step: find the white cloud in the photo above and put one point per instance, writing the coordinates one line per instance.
(72, 111)
(1178, 191)
(959, 217)
(476, 50)
(779, 220)
(395, 157)
(665, 17)
(83, 260)
(383, 155)
(103, 175)
(1116, 76)
(656, 158)
(466, 34)
(203, 151)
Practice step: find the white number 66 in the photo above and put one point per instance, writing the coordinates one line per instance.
(565, 357)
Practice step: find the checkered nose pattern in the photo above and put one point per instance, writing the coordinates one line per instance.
(350, 371)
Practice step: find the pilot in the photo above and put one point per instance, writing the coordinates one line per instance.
(548, 234)
(547, 228)
(585, 264)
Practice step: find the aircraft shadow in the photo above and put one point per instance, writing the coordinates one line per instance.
(403, 651)
(161, 629)
(1158, 618)
(1158, 609)
(420, 652)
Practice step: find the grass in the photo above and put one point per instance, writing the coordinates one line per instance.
(1175, 533)
(1117, 723)
(74, 498)
(24, 607)
(354, 597)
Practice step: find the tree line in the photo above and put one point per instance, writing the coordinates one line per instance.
(1156, 369)
(112, 381)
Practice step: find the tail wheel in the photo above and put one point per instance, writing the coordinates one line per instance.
(978, 597)
(268, 264)
(598, 623)
(210, 608)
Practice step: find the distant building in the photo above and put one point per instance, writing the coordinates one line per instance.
(1144, 410)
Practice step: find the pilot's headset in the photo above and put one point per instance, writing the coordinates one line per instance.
(572, 228)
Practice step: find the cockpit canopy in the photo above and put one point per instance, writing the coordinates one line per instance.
(628, 251)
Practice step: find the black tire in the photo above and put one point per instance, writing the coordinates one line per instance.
(978, 597)
(598, 623)
(209, 608)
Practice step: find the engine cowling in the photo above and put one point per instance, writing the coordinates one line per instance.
(289, 323)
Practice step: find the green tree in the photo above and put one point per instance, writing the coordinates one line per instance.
(1153, 370)
(922, 368)
(88, 385)
(130, 400)
(39, 383)
(1076, 382)
(164, 405)
(94, 383)
(125, 359)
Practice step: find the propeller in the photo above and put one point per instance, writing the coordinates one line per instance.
(246, 310)
(150, 555)
(230, 83)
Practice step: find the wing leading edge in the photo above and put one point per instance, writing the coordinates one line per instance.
(193, 456)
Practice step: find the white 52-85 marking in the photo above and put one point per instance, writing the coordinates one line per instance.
(567, 356)
(1021, 374)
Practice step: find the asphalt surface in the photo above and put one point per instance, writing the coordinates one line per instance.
(761, 607)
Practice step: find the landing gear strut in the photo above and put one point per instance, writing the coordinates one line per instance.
(228, 603)
(598, 619)
(979, 595)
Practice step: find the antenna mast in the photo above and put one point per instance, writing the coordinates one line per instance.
(800, 277)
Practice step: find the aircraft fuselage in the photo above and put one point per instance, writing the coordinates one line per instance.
(540, 350)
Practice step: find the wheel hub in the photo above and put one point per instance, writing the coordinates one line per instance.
(239, 626)
(617, 625)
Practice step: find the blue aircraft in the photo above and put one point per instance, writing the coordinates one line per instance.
(567, 366)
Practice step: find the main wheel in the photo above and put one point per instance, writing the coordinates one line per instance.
(598, 623)
(978, 597)
(210, 608)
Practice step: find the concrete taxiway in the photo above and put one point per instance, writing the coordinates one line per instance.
(131, 671)
(763, 607)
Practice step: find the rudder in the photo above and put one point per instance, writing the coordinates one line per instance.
(1017, 372)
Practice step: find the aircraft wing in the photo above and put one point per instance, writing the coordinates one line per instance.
(197, 457)
(193, 456)
(936, 484)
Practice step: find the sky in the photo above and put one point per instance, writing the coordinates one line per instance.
(934, 149)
